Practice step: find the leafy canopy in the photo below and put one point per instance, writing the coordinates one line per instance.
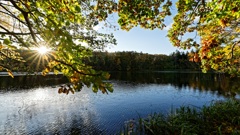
(64, 26)
(216, 22)
(67, 28)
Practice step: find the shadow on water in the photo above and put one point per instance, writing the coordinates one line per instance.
(221, 83)
(30, 81)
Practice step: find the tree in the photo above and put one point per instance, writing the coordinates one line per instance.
(216, 22)
(66, 27)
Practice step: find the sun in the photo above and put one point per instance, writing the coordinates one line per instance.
(40, 55)
(43, 50)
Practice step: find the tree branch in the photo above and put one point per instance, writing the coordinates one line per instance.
(25, 14)
(17, 7)
(69, 65)
(15, 33)
(9, 57)
(233, 48)
(10, 14)
(3, 66)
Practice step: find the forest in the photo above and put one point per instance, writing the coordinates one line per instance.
(134, 61)
(113, 61)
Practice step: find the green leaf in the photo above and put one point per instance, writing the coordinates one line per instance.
(95, 89)
(77, 8)
(37, 4)
(110, 89)
(6, 41)
(67, 23)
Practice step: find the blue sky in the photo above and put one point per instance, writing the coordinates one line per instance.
(142, 40)
(147, 41)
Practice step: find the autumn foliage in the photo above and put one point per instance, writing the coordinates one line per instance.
(210, 27)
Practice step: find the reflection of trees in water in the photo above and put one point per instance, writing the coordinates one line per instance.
(197, 81)
(30, 81)
(221, 83)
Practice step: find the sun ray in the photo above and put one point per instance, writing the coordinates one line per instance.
(39, 57)
(43, 50)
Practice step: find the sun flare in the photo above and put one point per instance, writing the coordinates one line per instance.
(43, 50)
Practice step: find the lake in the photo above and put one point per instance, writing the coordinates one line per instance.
(32, 105)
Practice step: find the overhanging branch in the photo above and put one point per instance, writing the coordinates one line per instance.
(15, 33)
(11, 14)
(71, 66)
(233, 48)
(25, 15)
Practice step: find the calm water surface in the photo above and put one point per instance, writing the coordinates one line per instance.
(31, 105)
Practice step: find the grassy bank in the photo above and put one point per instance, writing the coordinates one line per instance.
(219, 118)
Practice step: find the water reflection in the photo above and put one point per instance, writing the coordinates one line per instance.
(30, 81)
(221, 83)
(26, 112)
(38, 109)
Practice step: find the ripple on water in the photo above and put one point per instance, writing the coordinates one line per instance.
(43, 111)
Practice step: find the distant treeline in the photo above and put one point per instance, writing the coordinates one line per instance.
(117, 61)
(134, 61)
(33, 61)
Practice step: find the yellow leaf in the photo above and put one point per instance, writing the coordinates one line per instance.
(55, 71)
(10, 73)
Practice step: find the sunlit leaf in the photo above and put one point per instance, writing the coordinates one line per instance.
(10, 73)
